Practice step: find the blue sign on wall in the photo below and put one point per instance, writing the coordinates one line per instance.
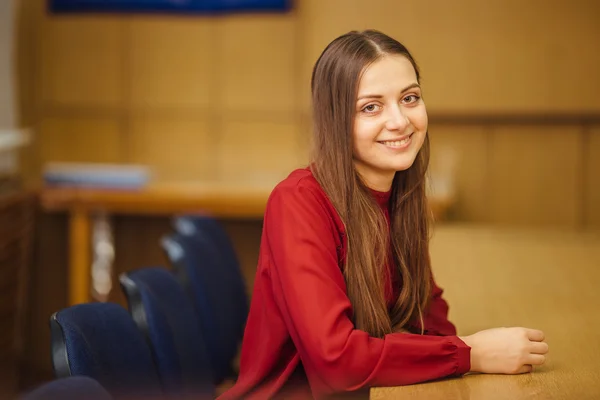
(169, 6)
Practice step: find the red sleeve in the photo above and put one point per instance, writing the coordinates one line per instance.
(436, 320)
(310, 292)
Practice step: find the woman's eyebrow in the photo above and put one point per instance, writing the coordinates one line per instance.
(378, 96)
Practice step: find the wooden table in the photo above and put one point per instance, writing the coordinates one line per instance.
(221, 200)
(547, 280)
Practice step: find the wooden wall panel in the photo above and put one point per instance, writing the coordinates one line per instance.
(305, 140)
(80, 139)
(28, 15)
(261, 152)
(592, 173)
(461, 153)
(171, 62)
(81, 61)
(474, 61)
(535, 175)
(257, 63)
(27, 48)
(257, 67)
(471, 59)
(177, 147)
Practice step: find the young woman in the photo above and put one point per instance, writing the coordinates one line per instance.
(344, 297)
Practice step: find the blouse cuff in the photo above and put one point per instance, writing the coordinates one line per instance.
(463, 353)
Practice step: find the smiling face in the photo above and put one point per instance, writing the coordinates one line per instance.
(390, 123)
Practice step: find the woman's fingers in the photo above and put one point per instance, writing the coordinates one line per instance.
(536, 359)
(535, 335)
(538, 347)
(525, 369)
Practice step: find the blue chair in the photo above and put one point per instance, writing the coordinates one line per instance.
(207, 228)
(101, 341)
(165, 315)
(204, 262)
(71, 388)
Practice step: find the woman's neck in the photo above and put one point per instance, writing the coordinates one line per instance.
(379, 182)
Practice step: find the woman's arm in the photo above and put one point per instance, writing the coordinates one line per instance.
(436, 318)
(310, 291)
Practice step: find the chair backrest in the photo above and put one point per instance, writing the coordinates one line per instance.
(101, 341)
(71, 388)
(218, 291)
(165, 315)
(207, 228)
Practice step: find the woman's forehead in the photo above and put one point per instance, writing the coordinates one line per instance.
(389, 73)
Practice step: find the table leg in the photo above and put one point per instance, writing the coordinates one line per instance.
(79, 256)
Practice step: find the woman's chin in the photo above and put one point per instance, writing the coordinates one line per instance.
(402, 166)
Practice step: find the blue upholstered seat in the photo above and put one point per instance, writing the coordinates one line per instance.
(165, 315)
(101, 341)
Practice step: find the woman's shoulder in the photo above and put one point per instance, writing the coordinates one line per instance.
(299, 178)
(300, 186)
(301, 199)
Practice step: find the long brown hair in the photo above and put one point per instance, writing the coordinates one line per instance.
(335, 80)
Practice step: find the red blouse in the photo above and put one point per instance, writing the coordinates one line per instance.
(300, 341)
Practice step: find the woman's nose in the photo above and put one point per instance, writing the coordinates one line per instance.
(396, 119)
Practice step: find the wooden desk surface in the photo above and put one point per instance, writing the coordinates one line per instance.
(222, 199)
(539, 279)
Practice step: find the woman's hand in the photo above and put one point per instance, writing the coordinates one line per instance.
(506, 350)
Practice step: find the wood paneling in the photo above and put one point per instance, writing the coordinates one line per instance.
(487, 65)
(81, 61)
(535, 175)
(459, 155)
(172, 62)
(189, 96)
(257, 63)
(80, 139)
(471, 59)
(261, 152)
(178, 148)
(305, 139)
(28, 15)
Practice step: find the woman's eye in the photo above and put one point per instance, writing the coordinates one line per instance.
(411, 99)
(370, 108)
